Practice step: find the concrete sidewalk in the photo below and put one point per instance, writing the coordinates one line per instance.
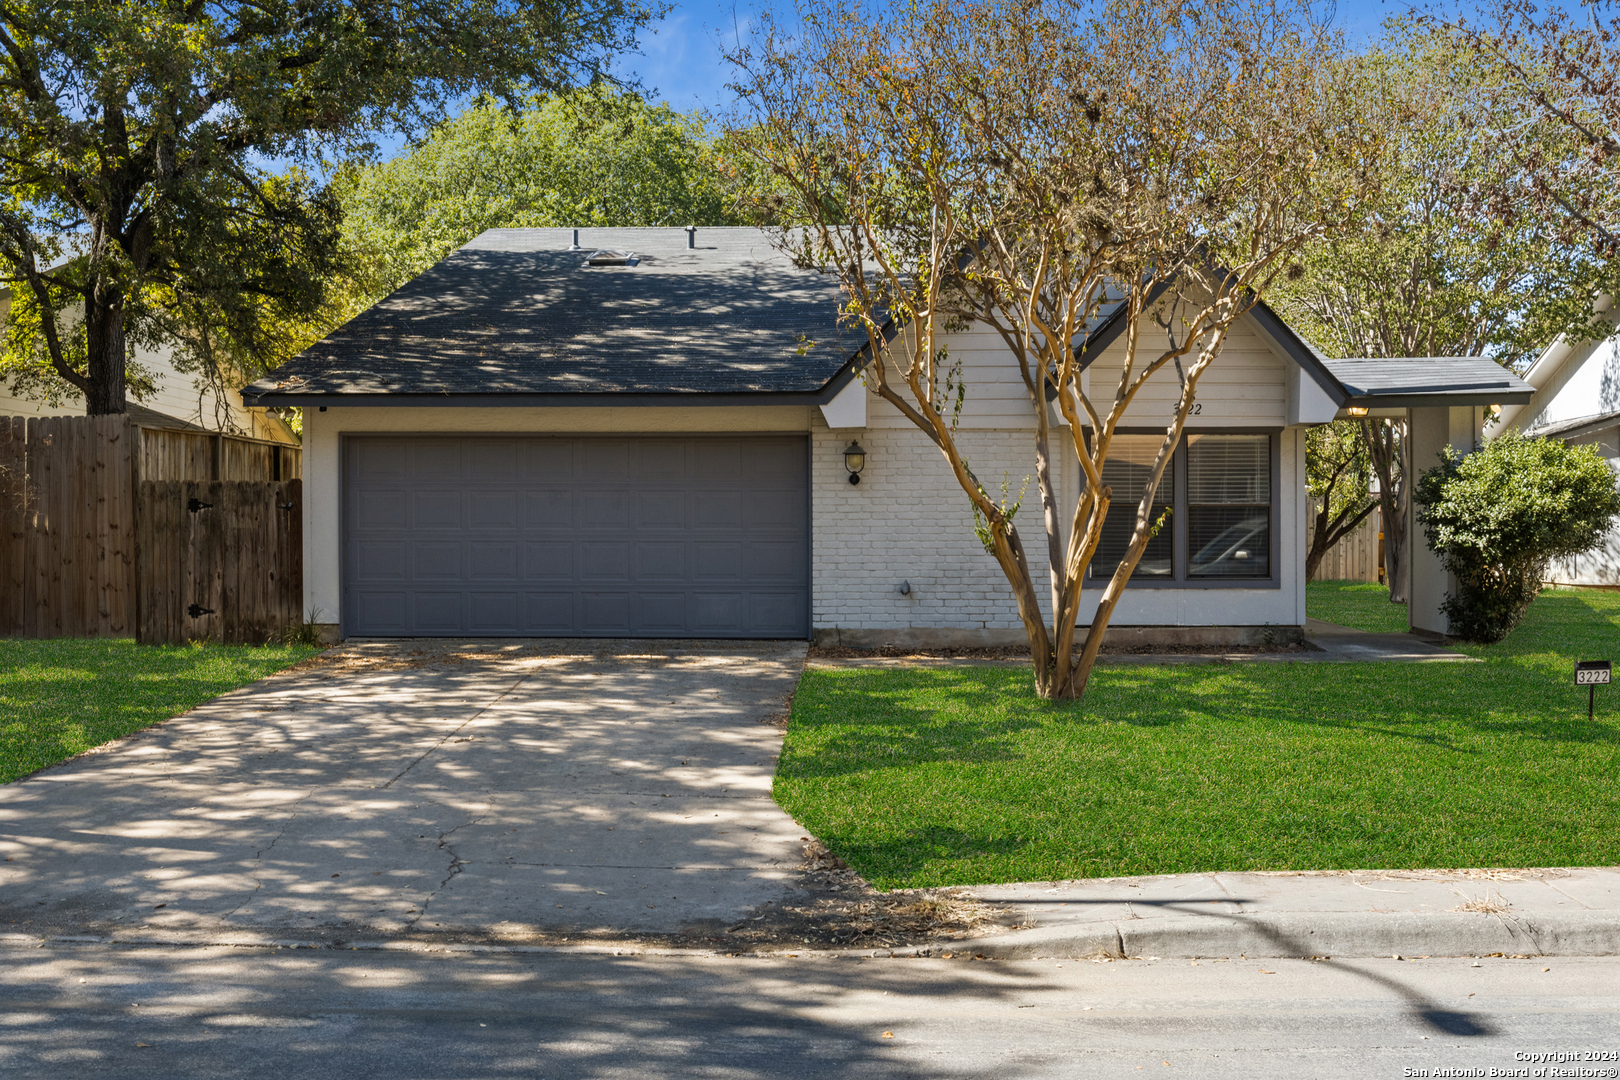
(1573, 912)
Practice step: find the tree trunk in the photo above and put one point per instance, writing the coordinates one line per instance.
(104, 329)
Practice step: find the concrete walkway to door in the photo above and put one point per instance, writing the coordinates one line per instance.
(505, 788)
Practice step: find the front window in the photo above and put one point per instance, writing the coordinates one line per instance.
(1229, 506)
(1127, 471)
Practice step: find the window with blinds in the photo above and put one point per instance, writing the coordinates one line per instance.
(1228, 506)
(1127, 471)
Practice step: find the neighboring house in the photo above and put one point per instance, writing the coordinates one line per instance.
(1577, 399)
(521, 443)
(178, 402)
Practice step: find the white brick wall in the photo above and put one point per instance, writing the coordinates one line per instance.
(909, 520)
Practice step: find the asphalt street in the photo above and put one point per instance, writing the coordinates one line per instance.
(83, 1011)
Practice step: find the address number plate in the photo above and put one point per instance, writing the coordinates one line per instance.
(1592, 673)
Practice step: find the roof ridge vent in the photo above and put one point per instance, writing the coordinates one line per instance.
(612, 257)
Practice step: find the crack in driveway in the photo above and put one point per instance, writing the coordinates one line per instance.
(452, 734)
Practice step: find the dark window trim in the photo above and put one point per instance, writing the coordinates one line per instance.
(1179, 547)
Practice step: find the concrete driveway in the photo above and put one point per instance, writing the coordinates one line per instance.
(506, 789)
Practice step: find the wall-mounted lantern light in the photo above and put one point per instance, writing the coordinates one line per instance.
(854, 461)
(1356, 410)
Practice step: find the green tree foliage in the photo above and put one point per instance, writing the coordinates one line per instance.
(134, 204)
(1498, 516)
(593, 157)
(1432, 273)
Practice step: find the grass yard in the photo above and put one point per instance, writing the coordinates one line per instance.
(1355, 604)
(961, 776)
(63, 696)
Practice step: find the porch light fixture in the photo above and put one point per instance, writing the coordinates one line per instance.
(854, 461)
(1357, 410)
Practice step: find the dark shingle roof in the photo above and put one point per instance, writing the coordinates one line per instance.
(514, 313)
(1429, 380)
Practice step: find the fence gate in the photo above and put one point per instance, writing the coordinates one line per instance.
(219, 560)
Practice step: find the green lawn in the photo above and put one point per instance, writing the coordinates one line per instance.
(63, 696)
(1355, 604)
(959, 775)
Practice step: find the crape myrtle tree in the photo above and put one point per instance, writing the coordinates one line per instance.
(1027, 167)
(136, 204)
(1433, 273)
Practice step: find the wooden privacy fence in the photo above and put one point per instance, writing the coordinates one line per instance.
(1359, 554)
(92, 545)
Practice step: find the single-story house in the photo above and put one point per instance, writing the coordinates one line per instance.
(1577, 399)
(542, 435)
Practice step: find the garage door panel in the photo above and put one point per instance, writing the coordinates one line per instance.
(548, 560)
(382, 508)
(604, 509)
(492, 560)
(382, 560)
(719, 461)
(492, 509)
(661, 461)
(718, 613)
(549, 613)
(546, 461)
(492, 613)
(382, 612)
(604, 561)
(439, 559)
(665, 536)
(773, 560)
(660, 613)
(549, 510)
(604, 461)
(437, 510)
(438, 612)
(717, 510)
(435, 461)
(778, 511)
(714, 561)
(661, 510)
(380, 461)
(492, 461)
(779, 614)
(661, 560)
(605, 613)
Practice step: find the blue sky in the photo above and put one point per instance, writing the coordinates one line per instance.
(680, 59)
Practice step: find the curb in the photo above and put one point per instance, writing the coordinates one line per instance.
(1307, 934)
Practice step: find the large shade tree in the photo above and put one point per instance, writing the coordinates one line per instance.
(136, 205)
(1026, 167)
(1434, 272)
(597, 156)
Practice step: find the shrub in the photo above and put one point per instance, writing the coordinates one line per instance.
(1498, 516)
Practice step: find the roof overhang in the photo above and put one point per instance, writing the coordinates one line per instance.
(1422, 382)
(612, 399)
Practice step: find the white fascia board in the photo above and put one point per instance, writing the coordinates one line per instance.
(847, 409)
(1308, 403)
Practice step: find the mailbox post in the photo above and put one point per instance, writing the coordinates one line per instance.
(1591, 674)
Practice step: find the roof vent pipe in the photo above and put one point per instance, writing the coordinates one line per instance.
(691, 236)
(575, 245)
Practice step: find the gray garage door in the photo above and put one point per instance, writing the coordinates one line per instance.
(594, 537)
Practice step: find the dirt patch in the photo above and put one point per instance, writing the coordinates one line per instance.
(838, 909)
